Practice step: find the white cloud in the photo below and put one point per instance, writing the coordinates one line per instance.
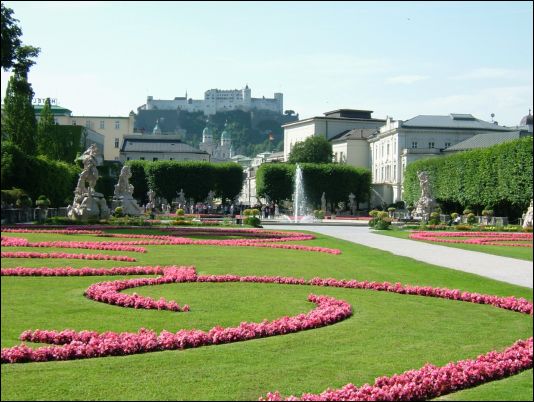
(406, 79)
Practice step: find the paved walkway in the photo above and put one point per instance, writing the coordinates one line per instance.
(511, 270)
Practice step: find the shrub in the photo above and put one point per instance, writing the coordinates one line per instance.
(42, 201)
(180, 212)
(118, 212)
(11, 196)
(374, 213)
(251, 212)
(252, 221)
(434, 218)
(318, 213)
(383, 224)
(471, 219)
(24, 201)
(454, 215)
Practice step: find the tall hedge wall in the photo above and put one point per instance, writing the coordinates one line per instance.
(38, 175)
(337, 181)
(498, 176)
(196, 178)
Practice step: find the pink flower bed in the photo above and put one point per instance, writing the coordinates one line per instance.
(267, 240)
(480, 238)
(430, 381)
(22, 254)
(85, 271)
(115, 246)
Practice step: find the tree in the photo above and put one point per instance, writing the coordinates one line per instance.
(312, 150)
(19, 124)
(45, 128)
(11, 33)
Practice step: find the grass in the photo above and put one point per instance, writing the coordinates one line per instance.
(522, 253)
(387, 334)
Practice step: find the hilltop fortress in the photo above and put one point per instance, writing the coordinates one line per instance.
(218, 100)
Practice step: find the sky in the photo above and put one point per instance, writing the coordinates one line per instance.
(398, 59)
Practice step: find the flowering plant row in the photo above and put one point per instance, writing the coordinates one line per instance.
(480, 238)
(115, 246)
(85, 271)
(22, 254)
(430, 381)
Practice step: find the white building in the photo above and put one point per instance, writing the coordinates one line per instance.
(218, 100)
(328, 126)
(399, 143)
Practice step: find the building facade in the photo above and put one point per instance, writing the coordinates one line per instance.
(218, 100)
(112, 128)
(153, 147)
(328, 126)
(220, 152)
(399, 143)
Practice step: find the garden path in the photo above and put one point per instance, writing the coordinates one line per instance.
(510, 270)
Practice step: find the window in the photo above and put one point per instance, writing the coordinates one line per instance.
(116, 142)
(414, 144)
(142, 158)
(101, 123)
(74, 122)
(388, 151)
(171, 159)
(117, 124)
(127, 158)
(154, 159)
(447, 144)
(431, 144)
(88, 123)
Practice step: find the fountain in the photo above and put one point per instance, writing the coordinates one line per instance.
(300, 210)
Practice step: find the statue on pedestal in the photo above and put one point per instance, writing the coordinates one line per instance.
(352, 204)
(323, 203)
(426, 203)
(87, 202)
(123, 195)
(527, 219)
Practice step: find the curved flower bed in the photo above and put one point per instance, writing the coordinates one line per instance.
(481, 238)
(424, 383)
(261, 239)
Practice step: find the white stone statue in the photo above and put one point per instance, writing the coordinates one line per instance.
(88, 204)
(426, 203)
(527, 220)
(151, 199)
(323, 202)
(181, 198)
(209, 199)
(352, 204)
(123, 195)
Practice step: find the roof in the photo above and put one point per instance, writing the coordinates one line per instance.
(155, 143)
(56, 110)
(350, 113)
(331, 118)
(484, 140)
(354, 134)
(452, 121)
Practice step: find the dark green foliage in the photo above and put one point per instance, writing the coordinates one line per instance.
(10, 197)
(228, 180)
(108, 176)
(337, 181)
(38, 175)
(499, 177)
(11, 33)
(196, 178)
(275, 180)
(62, 143)
(18, 122)
(312, 150)
(139, 180)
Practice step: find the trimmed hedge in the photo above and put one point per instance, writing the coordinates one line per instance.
(277, 182)
(196, 178)
(38, 175)
(499, 177)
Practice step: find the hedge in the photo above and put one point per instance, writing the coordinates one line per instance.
(337, 181)
(38, 175)
(499, 177)
(195, 178)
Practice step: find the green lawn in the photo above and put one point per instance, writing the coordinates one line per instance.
(523, 253)
(388, 333)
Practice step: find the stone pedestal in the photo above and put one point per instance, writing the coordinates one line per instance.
(128, 204)
(88, 206)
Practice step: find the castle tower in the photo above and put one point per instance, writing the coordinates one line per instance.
(247, 99)
(207, 137)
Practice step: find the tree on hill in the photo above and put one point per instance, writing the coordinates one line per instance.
(312, 150)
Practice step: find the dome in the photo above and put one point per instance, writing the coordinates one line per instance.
(225, 135)
(206, 132)
(527, 120)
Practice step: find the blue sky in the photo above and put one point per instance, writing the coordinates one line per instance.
(396, 58)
